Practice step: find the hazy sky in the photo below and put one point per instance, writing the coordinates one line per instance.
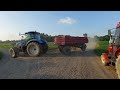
(73, 23)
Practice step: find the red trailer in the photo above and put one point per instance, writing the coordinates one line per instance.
(66, 42)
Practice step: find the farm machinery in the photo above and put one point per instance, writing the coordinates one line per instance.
(32, 45)
(66, 42)
(113, 55)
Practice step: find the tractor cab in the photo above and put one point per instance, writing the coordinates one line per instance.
(32, 35)
(115, 41)
(115, 35)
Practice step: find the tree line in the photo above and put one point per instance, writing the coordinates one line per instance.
(102, 38)
(47, 37)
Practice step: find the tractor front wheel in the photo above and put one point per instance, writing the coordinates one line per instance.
(117, 66)
(14, 52)
(34, 49)
(104, 62)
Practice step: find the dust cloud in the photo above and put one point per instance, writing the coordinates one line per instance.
(91, 43)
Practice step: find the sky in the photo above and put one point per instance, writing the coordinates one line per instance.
(74, 23)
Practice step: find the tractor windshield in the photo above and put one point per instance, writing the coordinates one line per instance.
(117, 33)
(32, 36)
(29, 36)
(37, 36)
(117, 36)
(113, 34)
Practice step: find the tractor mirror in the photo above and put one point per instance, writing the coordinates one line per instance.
(19, 34)
(109, 32)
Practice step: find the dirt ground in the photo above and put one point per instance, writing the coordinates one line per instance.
(55, 65)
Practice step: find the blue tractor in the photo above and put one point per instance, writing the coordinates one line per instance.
(32, 45)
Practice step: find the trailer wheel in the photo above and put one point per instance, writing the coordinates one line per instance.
(14, 52)
(104, 61)
(67, 50)
(60, 49)
(83, 48)
(117, 66)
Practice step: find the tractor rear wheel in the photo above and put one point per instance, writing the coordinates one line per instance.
(34, 49)
(66, 50)
(104, 61)
(117, 66)
(14, 52)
